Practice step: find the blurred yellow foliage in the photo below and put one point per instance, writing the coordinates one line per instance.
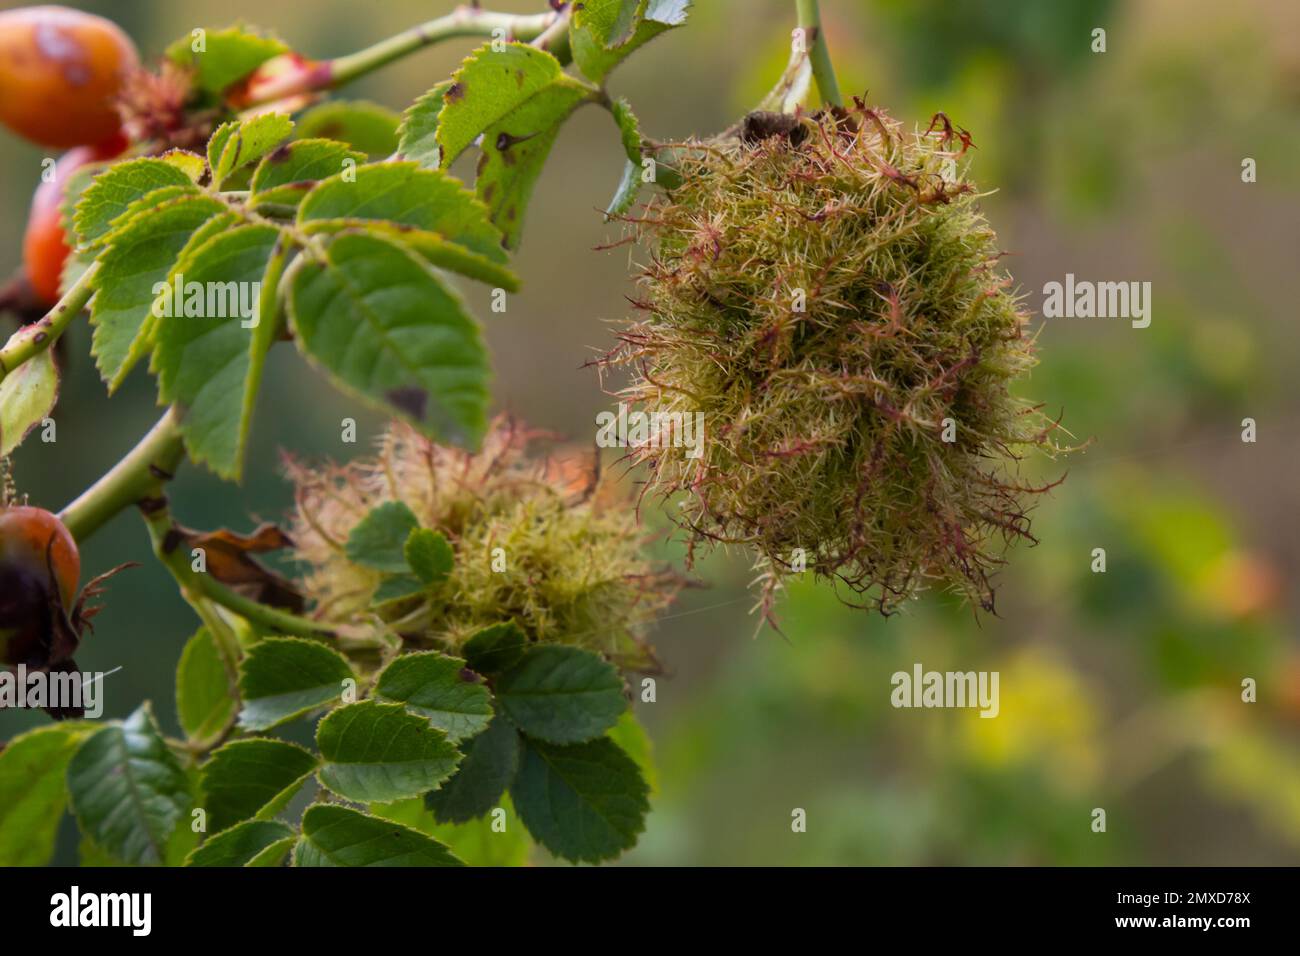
(1048, 718)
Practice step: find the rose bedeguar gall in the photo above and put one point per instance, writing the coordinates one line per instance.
(826, 291)
(545, 541)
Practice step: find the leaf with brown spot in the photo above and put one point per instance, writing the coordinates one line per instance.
(239, 143)
(384, 324)
(284, 177)
(409, 399)
(518, 123)
(478, 100)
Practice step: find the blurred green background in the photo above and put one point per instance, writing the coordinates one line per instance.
(1118, 690)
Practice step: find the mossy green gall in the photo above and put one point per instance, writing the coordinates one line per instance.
(826, 291)
(544, 541)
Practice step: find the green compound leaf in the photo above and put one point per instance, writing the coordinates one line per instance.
(74, 188)
(214, 226)
(364, 126)
(486, 841)
(430, 246)
(118, 188)
(244, 845)
(405, 194)
(140, 257)
(252, 778)
(630, 184)
(629, 187)
(27, 395)
(518, 117)
(145, 205)
(491, 761)
(285, 677)
(79, 259)
(210, 363)
(128, 790)
(274, 855)
(385, 327)
(397, 588)
(239, 143)
(338, 836)
(32, 791)
(378, 751)
(185, 837)
(284, 177)
(227, 56)
(602, 33)
(496, 648)
(561, 694)
(419, 131)
(429, 555)
(514, 152)
(479, 98)
(439, 689)
(629, 130)
(584, 802)
(631, 736)
(191, 164)
(480, 843)
(378, 540)
(206, 698)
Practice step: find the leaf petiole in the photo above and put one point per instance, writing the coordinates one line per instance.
(464, 21)
(818, 51)
(198, 586)
(139, 474)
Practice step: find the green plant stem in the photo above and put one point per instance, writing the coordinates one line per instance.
(555, 38)
(464, 21)
(197, 586)
(819, 54)
(139, 479)
(223, 634)
(31, 340)
(137, 476)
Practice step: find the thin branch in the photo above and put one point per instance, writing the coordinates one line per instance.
(819, 53)
(31, 340)
(198, 586)
(555, 38)
(464, 21)
(139, 479)
(137, 476)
